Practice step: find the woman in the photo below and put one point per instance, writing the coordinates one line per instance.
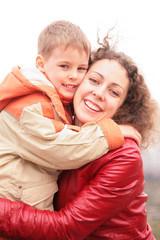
(104, 199)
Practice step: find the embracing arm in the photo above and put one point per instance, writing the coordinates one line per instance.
(64, 148)
(115, 184)
(42, 137)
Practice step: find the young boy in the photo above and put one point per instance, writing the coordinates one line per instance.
(37, 140)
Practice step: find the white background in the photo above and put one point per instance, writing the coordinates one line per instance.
(138, 27)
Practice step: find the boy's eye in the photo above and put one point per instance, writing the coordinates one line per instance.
(64, 66)
(82, 69)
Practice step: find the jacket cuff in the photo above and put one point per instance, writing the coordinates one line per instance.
(112, 133)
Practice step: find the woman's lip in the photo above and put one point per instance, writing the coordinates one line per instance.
(92, 106)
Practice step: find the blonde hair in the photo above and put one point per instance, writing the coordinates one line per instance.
(62, 33)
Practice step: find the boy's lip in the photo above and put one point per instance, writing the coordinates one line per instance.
(92, 106)
(70, 86)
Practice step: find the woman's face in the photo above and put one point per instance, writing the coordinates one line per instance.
(102, 91)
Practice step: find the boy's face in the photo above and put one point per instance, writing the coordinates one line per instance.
(65, 69)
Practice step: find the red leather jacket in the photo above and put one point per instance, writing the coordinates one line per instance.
(102, 200)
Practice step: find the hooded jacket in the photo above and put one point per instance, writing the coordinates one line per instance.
(37, 140)
(101, 200)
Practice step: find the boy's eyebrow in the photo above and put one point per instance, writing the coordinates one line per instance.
(84, 64)
(67, 62)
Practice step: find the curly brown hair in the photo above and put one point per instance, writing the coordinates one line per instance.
(138, 109)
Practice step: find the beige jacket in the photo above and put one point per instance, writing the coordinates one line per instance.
(37, 140)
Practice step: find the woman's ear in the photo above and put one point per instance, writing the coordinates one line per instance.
(40, 63)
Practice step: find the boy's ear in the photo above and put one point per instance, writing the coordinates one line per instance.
(40, 63)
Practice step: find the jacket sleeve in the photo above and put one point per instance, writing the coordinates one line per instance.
(114, 186)
(41, 136)
(66, 149)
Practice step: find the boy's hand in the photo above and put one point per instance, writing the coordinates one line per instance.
(131, 132)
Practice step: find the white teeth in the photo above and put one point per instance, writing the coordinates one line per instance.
(69, 86)
(92, 106)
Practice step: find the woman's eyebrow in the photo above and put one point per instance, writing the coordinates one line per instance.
(116, 84)
(98, 74)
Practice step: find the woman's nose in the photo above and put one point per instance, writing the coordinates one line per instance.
(99, 93)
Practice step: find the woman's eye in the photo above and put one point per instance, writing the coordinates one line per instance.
(93, 80)
(115, 93)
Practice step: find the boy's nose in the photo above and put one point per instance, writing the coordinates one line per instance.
(73, 74)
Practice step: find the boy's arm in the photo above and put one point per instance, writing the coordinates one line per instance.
(66, 149)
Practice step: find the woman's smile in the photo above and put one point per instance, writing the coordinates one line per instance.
(92, 106)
